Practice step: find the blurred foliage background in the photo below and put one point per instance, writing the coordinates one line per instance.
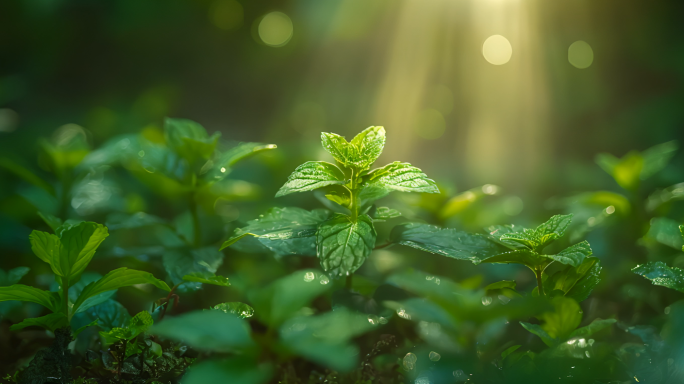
(510, 132)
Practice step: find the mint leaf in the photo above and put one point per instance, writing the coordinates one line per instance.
(20, 292)
(207, 331)
(118, 278)
(626, 171)
(189, 139)
(339, 148)
(12, 276)
(401, 177)
(198, 277)
(553, 229)
(660, 274)
(445, 241)
(343, 245)
(238, 309)
(110, 314)
(369, 145)
(539, 331)
(285, 231)
(384, 213)
(140, 323)
(576, 282)
(181, 262)
(595, 326)
(573, 255)
(519, 256)
(51, 322)
(312, 175)
(657, 157)
(560, 323)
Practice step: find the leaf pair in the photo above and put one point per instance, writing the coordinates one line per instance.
(636, 166)
(135, 326)
(561, 324)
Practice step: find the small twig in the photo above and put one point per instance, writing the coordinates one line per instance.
(165, 301)
(383, 246)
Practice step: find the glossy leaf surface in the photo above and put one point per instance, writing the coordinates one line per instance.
(342, 245)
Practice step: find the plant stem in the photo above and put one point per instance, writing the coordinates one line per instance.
(195, 221)
(353, 206)
(348, 281)
(540, 286)
(65, 296)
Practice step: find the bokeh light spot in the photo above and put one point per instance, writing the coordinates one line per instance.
(497, 50)
(226, 14)
(430, 124)
(580, 54)
(275, 29)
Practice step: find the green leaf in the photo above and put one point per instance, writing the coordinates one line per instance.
(118, 278)
(560, 323)
(206, 330)
(70, 251)
(281, 299)
(626, 171)
(181, 262)
(12, 276)
(343, 245)
(445, 241)
(238, 309)
(213, 280)
(312, 175)
(285, 231)
(665, 231)
(336, 145)
(51, 322)
(20, 292)
(51, 221)
(521, 256)
(589, 280)
(221, 167)
(509, 350)
(76, 332)
(384, 213)
(573, 255)
(26, 174)
(575, 282)
(189, 139)
(140, 323)
(324, 339)
(510, 284)
(660, 274)
(553, 229)
(369, 145)
(239, 369)
(539, 331)
(402, 177)
(76, 289)
(595, 326)
(110, 314)
(657, 157)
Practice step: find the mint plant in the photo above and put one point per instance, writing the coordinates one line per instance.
(341, 240)
(68, 252)
(505, 244)
(661, 274)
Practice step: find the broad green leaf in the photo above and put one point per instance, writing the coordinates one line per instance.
(342, 245)
(51, 221)
(401, 177)
(221, 167)
(508, 351)
(665, 231)
(560, 323)
(189, 139)
(595, 326)
(206, 330)
(660, 274)
(110, 314)
(181, 262)
(140, 323)
(20, 292)
(520, 256)
(324, 339)
(26, 174)
(213, 280)
(285, 230)
(573, 255)
(76, 289)
(70, 251)
(510, 284)
(445, 241)
(240, 369)
(238, 309)
(657, 157)
(588, 280)
(281, 299)
(554, 228)
(539, 331)
(118, 278)
(12, 276)
(665, 196)
(312, 175)
(527, 238)
(51, 322)
(369, 145)
(336, 145)
(384, 213)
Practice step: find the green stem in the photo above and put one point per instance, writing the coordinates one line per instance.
(538, 272)
(353, 204)
(65, 296)
(348, 281)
